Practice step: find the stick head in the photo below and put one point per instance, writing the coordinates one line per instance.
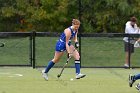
(58, 75)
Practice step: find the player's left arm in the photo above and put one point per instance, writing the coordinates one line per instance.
(76, 41)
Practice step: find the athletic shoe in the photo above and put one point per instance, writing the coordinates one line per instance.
(138, 86)
(44, 75)
(126, 65)
(131, 80)
(80, 76)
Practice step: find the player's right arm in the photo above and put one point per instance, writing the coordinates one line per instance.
(68, 34)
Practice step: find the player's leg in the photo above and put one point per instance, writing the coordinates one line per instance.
(56, 59)
(77, 63)
(133, 78)
(136, 77)
(126, 60)
(138, 86)
(127, 53)
(51, 63)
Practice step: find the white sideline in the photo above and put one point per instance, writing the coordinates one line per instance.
(10, 75)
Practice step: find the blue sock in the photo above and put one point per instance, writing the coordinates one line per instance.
(137, 76)
(50, 65)
(77, 66)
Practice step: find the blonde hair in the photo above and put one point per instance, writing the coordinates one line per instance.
(75, 22)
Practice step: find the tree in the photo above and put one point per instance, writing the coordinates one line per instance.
(107, 15)
(54, 15)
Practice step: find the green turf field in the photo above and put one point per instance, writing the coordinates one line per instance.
(96, 81)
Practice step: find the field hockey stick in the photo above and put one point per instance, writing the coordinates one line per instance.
(2, 44)
(64, 65)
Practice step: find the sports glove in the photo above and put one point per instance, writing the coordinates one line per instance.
(76, 44)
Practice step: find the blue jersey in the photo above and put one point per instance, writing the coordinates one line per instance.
(61, 44)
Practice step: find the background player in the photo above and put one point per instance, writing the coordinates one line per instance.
(130, 28)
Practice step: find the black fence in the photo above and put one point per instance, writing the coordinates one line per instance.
(35, 49)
